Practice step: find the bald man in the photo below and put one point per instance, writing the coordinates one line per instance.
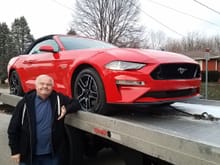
(36, 129)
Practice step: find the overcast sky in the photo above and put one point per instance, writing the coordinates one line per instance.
(55, 16)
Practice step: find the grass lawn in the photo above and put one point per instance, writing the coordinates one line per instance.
(213, 91)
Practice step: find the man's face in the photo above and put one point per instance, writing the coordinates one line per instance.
(44, 87)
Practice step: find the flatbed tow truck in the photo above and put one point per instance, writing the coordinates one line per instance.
(185, 133)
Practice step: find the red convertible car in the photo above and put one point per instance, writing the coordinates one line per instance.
(99, 74)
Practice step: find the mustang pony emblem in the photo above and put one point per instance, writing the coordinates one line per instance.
(181, 70)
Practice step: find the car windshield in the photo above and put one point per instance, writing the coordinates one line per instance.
(75, 43)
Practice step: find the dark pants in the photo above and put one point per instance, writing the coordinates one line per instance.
(44, 160)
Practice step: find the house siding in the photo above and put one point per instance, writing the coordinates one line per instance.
(213, 64)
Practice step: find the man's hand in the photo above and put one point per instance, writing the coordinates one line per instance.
(63, 112)
(16, 158)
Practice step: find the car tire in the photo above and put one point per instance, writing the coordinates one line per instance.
(15, 84)
(88, 89)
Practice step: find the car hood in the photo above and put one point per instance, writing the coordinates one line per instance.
(148, 56)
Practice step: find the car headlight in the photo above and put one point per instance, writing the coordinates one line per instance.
(124, 65)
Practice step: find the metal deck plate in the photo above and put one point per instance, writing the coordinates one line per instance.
(160, 132)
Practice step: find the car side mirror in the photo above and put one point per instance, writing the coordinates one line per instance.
(47, 48)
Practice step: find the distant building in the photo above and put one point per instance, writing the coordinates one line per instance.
(213, 62)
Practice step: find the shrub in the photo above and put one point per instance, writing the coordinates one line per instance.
(213, 76)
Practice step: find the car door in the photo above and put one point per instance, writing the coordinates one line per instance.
(39, 62)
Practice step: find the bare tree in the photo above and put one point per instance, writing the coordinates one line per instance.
(216, 42)
(174, 46)
(194, 45)
(71, 32)
(157, 39)
(113, 21)
(193, 41)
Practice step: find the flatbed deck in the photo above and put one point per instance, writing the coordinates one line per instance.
(159, 131)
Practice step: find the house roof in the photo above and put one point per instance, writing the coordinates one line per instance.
(200, 55)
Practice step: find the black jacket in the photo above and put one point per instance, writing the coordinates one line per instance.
(22, 127)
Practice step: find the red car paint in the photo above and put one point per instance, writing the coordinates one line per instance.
(64, 65)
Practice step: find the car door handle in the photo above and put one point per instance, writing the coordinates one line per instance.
(29, 61)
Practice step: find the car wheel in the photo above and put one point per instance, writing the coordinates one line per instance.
(89, 90)
(15, 84)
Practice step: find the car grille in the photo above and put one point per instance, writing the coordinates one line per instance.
(176, 71)
(171, 94)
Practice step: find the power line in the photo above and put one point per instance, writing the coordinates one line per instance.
(162, 24)
(184, 13)
(202, 4)
(61, 4)
(156, 20)
(159, 22)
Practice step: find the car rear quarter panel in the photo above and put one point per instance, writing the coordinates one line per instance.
(16, 64)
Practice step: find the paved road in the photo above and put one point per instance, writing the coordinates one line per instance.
(106, 157)
(4, 150)
(4, 90)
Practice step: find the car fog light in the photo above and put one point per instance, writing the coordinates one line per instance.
(130, 82)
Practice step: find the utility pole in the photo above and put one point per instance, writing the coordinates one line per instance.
(206, 71)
